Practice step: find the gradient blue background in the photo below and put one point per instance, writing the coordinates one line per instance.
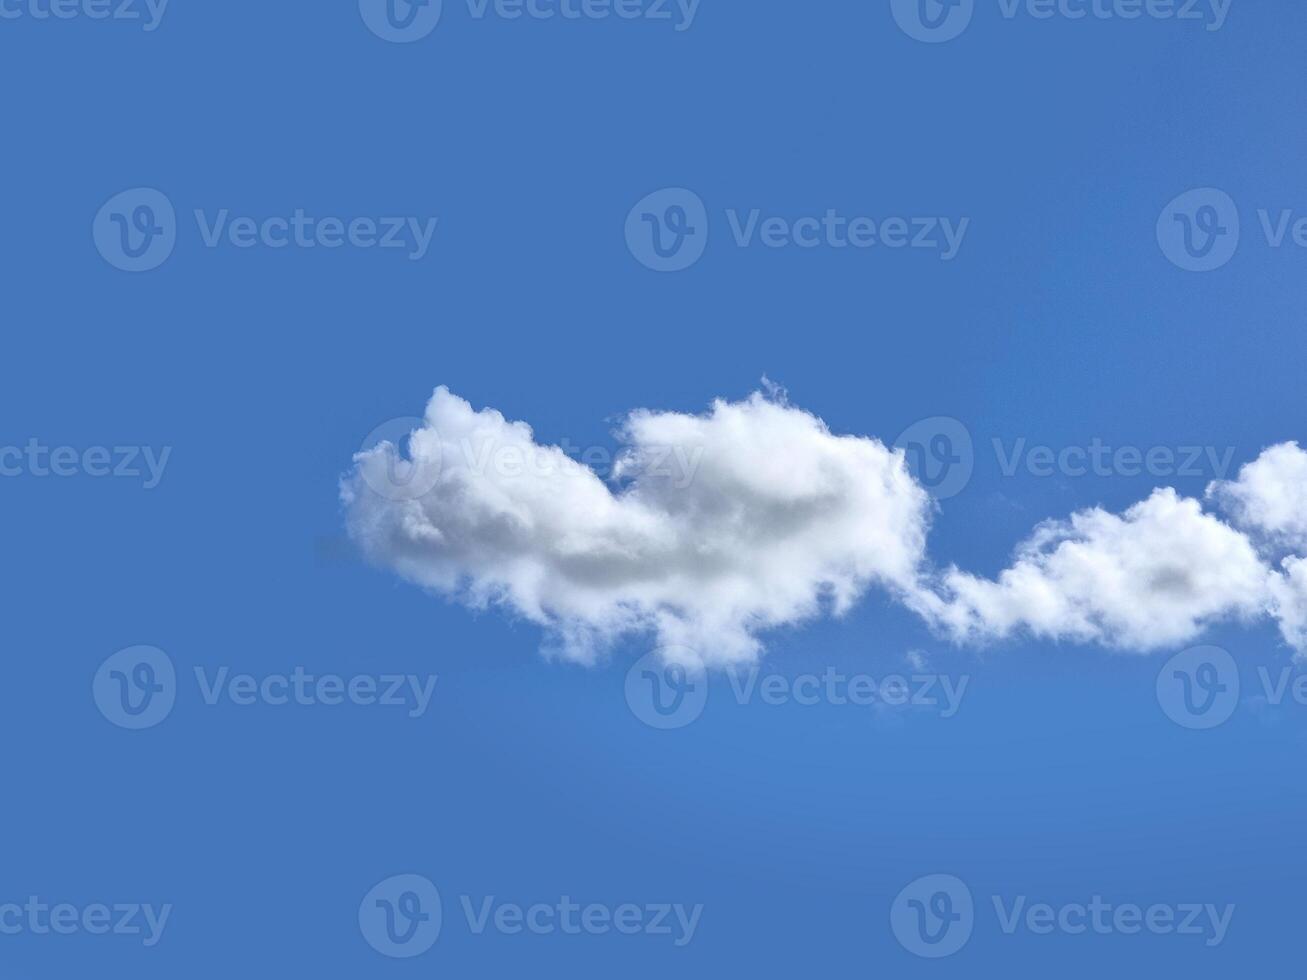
(1060, 321)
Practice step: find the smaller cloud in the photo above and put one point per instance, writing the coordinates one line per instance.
(1153, 577)
(1270, 496)
(1289, 603)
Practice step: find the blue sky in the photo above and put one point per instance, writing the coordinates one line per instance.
(232, 383)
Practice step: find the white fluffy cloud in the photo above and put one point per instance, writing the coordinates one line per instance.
(715, 528)
(1152, 577)
(1270, 496)
(1289, 603)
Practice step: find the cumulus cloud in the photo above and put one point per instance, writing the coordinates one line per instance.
(1289, 603)
(713, 529)
(1150, 578)
(1270, 496)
